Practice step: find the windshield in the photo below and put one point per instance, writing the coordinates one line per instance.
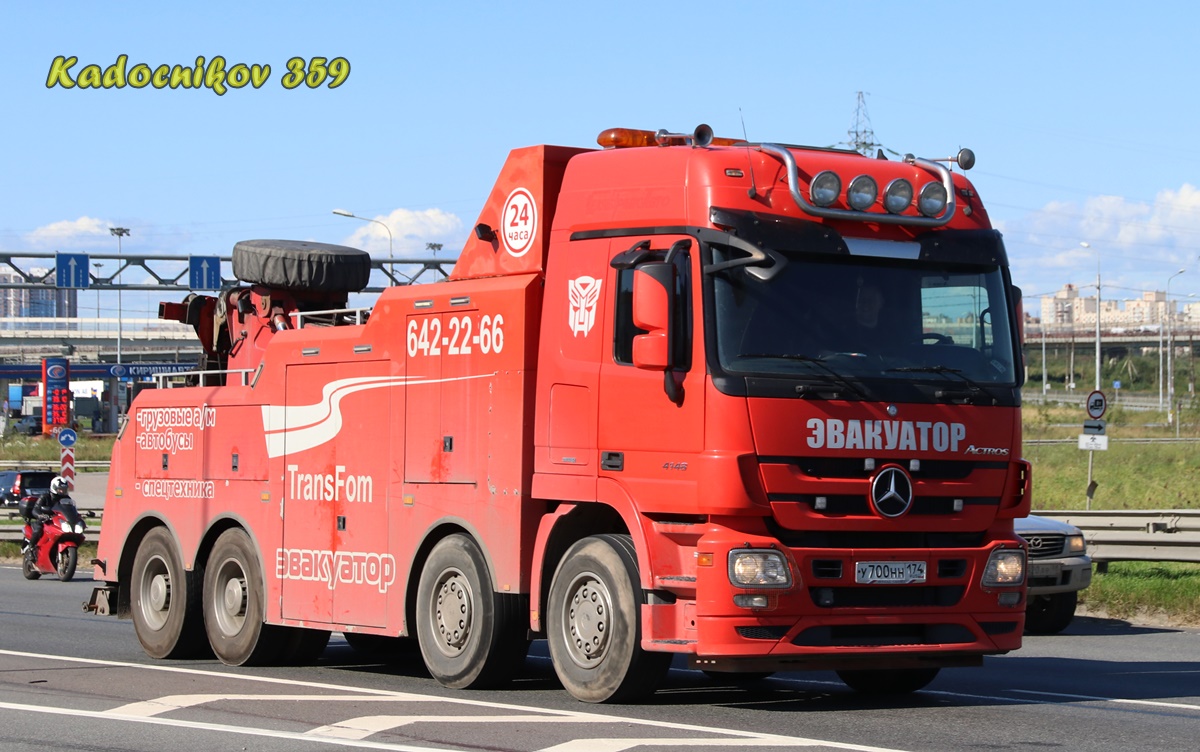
(864, 317)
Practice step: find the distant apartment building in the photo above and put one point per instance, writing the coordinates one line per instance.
(1068, 309)
(27, 303)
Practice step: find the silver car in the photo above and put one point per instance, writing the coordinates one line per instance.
(1059, 568)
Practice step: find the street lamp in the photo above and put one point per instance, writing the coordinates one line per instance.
(391, 256)
(1085, 244)
(1170, 372)
(120, 232)
(99, 265)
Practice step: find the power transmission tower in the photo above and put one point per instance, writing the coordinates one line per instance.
(861, 135)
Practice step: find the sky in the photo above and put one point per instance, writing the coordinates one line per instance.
(1081, 115)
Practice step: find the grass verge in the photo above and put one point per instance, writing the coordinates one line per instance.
(1143, 591)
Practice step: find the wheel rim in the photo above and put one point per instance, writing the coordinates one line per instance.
(155, 601)
(230, 597)
(452, 612)
(586, 620)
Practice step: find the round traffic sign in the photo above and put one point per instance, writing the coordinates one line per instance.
(67, 437)
(1097, 403)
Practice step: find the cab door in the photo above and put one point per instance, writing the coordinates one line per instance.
(651, 420)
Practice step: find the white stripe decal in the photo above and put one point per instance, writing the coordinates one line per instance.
(294, 428)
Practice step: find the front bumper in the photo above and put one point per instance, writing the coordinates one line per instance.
(1065, 575)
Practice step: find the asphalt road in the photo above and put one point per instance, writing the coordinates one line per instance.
(70, 680)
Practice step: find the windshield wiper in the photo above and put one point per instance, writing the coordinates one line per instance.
(805, 390)
(974, 388)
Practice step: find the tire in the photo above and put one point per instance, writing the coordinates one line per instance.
(28, 570)
(593, 625)
(68, 558)
(1050, 614)
(301, 265)
(233, 604)
(888, 682)
(165, 599)
(469, 636)
(302, 646)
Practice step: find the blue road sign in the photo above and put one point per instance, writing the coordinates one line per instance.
(204, 272)
(67, 437)
(71, 270)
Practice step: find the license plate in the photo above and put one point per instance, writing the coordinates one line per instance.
(1044, 570)
(889, 572)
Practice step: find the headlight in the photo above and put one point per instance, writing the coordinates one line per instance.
(1075, 544)
(825, 188)
(932, 201)
(79, 528)
(759, 568)
(862, 192)
(897, 196)
(1006, 566)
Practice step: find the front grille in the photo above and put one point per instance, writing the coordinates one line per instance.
(863, 635)
(856, 505)
(1045, 546)
(850, 467)
(827, 569)
(762, 633)
(886, 596)
(838, 539)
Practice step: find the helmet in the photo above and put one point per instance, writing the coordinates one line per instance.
(58, 485)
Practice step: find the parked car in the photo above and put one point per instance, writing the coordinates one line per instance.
(17, 484)
(1059, 568)
(29, 425)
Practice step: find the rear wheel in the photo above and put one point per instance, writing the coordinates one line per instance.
(68, 558)
(233, 604)
(593, 625)
(165, 599)
(1050, 614)
(888, 682)
(469, 636)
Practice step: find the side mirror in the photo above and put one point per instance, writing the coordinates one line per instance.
(653, 301)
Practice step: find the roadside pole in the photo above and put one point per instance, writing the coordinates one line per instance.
(1094, 437)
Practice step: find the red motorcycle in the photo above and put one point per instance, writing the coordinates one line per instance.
(57, 551)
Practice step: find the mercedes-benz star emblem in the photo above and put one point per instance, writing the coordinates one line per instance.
(891, 491)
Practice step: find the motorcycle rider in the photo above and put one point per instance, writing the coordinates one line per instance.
(41, 510)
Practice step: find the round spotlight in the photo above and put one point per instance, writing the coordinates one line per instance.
(862, 192)
(897, 196)
(825, 188)
(932, 201)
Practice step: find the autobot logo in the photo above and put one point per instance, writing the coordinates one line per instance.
(891, 491)
(584, 294)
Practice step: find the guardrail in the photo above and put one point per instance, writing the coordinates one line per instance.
(1136, 535)
(16, 533)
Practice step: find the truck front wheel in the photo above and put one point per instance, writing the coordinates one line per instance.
(233, 603)
(165, 599)
(593, 627)
(469, 636)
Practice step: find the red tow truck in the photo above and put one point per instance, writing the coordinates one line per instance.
(752, 404)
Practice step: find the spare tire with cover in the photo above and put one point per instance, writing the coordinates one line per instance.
(301, 265)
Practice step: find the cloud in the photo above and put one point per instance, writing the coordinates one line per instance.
(1137, 242)
(69, 232)
(410, 231)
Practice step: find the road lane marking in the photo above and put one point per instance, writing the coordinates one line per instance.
(1119, 700)
(364, 726)
(168, 703)
(734, 736)
(217, 727)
